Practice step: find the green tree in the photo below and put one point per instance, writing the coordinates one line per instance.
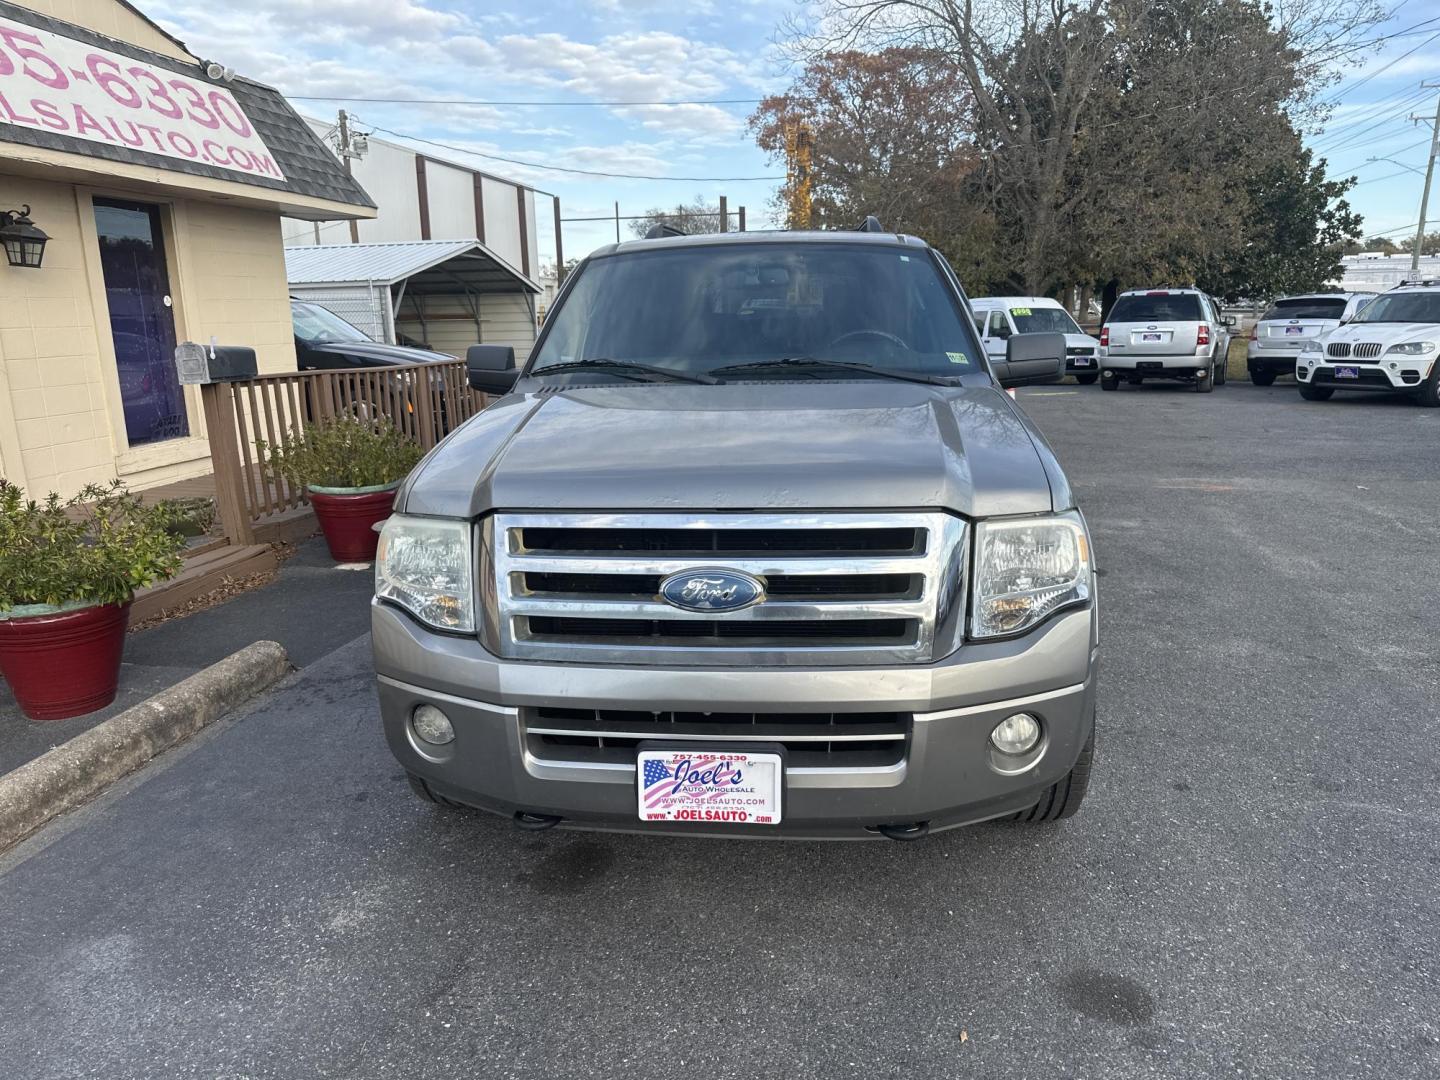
(1296, 224)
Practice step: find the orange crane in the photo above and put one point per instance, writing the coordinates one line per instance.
(798, 142)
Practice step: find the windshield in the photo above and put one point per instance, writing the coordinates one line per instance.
(1421, 307)
(696, 309)
(1043, 320)
(1156, 307)
(1310, 308)
(316, 325)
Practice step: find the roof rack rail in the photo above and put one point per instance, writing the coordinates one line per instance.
(1417, 281)
(870, 224)
(662, 229)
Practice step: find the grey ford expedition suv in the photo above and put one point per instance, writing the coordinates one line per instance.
(754, 545)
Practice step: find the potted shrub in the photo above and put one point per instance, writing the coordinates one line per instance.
(68, 569)
(350, 468)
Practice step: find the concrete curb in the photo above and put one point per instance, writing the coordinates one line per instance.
(73, 774)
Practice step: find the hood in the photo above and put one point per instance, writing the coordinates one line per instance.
(374, 350)
(752, 446)
(1385, 333)
(1081, 341)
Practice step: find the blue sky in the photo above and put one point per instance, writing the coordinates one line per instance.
(653, 50)
(514, 50)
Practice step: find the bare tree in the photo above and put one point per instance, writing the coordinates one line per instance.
(692, 218)
(1036, 68)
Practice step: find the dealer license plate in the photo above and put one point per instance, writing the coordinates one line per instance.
(1080, 361)
(1152, 337)
(1294, 330)
(1347, 373)
(709, 785)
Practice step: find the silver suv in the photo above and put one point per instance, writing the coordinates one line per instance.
(1292, 323)
(755, 544)
(1165, 333)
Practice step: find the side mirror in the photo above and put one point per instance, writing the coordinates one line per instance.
(1227, 320)
(1031, 359)
(491, 368)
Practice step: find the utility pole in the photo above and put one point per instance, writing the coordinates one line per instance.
(724, 215)
(345, 155)
(1429, 175)
(617, 222)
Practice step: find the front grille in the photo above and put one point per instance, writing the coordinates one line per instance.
(1338, 349)
(698, 631)
(810, 739)
(1079, 350)
(1367, 350)
(838, 588)
(738, 541)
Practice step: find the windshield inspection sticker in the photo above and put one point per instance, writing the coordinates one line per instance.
(958, 357)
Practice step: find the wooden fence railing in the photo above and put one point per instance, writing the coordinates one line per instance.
(424, 401)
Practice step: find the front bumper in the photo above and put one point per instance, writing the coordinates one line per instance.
(1399, 375)
(945, 777)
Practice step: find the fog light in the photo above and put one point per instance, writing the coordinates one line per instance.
(1016, 734)
(431, 725)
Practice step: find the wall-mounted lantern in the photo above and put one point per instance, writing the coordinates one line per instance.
(24, 243)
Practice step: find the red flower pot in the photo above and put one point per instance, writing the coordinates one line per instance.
(66, 664)
(348, 522)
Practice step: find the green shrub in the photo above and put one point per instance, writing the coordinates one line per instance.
(344, 452)
(97, 547)
(187, 517)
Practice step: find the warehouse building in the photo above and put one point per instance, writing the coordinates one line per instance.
(142, 191)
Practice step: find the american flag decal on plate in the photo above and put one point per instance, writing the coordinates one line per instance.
(709, 786)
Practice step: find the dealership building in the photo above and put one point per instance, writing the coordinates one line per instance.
(142, 192)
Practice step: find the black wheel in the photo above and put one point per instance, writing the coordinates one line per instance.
(1262, 378)
(1205, 381)
(1064, 797)
(1086, 380)
(1429, 395)
(1316, 393)
(1109, 381)
(1222, 371)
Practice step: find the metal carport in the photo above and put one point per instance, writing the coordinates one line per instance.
(444, 294)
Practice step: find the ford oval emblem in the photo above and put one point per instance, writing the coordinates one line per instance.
(710, 589)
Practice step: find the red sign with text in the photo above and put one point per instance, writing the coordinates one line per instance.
(58, 84)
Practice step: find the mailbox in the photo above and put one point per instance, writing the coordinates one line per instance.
(200, 364)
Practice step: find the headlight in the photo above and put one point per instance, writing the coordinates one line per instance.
(1412, 348)
(424, 565)
(1026, 569)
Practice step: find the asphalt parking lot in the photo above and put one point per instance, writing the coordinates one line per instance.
(1248, 892)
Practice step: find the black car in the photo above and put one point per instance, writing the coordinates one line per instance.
(325, 341)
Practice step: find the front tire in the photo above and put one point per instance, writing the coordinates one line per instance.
(1263, 378)
(1086, 380)
(1316, 393)
(1063, 798)
(1109, 381)
(1429, 395)
(1222, 370)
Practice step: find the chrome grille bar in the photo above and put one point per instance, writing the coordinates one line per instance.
(821, 626)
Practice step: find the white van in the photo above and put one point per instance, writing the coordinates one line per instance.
(998, 317)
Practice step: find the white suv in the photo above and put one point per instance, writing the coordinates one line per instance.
(1390, 344)
(999, 317)
(1293, 322)
(1164, 334)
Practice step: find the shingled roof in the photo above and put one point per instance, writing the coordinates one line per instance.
(310, 168)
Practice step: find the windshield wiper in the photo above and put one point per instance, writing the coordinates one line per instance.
(626, 369)
(814, 363)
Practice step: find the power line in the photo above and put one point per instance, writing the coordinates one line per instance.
(545, 104)
(1382, 69)
(580, 172)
